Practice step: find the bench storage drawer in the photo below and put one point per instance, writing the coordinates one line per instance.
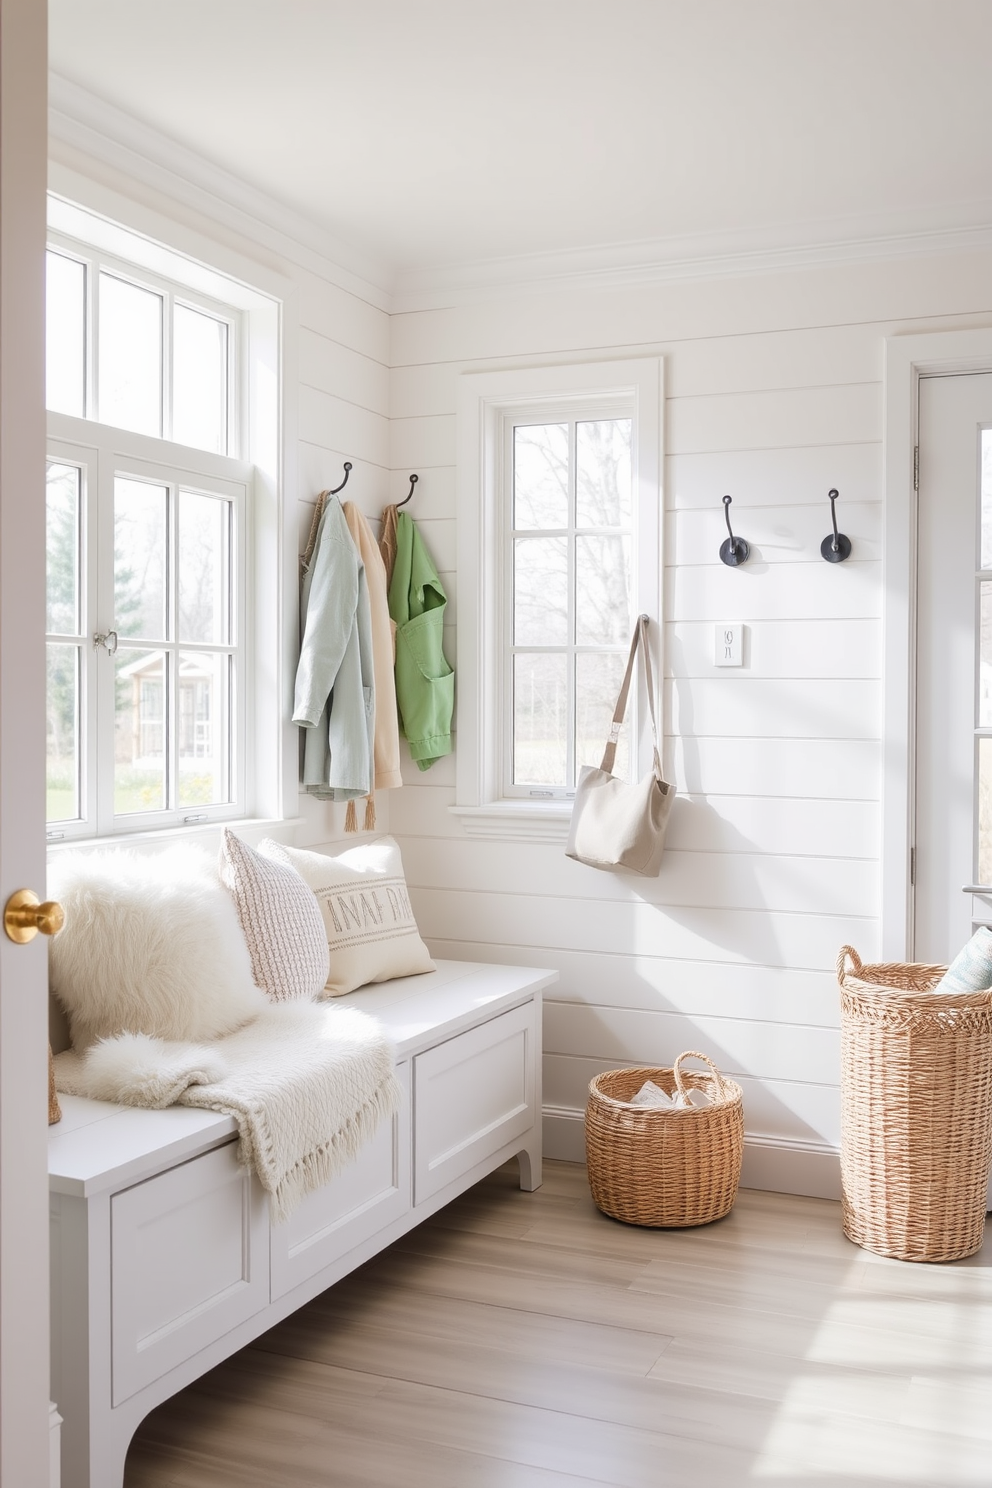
(363, 1198)
(190, 1262)
(473, 1094)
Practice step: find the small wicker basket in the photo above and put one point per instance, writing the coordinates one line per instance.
(664, 1168)
(916, 1110)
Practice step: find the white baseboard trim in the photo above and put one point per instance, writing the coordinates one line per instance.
(780, 1164)
(787, 1166)
(564, 1133)
(54, 1447)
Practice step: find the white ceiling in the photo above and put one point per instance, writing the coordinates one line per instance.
(439, 133)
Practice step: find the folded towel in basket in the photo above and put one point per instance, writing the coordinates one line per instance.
(971, 969)
(652, 1095)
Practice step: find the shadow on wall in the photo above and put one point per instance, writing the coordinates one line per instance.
(761, 1057)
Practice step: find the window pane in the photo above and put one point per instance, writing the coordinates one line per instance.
(140, 716)
(540, 476)
(984, 811)
(204, 569)
(602, 473)
(540, 720)
(985, 660)
(130, 356)
(540, 591)
(140, 558)
(602, 590)
(204, 723)
(62, 539)
(62, 746)
(199, 380)
(65, 335)
(597, 683)
(986, 501)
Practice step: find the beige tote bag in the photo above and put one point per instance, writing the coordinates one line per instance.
(614, 824)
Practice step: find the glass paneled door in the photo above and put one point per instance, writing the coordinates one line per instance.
(953, 805)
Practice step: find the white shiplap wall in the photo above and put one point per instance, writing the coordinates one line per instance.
(774, 395)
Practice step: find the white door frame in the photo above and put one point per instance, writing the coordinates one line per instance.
(24, 1372)
(907, 359)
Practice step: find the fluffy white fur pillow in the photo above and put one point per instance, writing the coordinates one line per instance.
(151, 944)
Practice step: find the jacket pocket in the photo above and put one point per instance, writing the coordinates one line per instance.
(425, 686)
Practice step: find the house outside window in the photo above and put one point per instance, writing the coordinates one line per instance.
(559, 504)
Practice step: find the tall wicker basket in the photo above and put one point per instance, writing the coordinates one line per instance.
(916, 1110)
(658, 1167)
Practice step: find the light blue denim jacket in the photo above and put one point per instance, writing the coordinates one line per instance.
(335, 690)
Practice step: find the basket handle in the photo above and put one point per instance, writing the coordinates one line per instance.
(845, 954)
(694, 1054)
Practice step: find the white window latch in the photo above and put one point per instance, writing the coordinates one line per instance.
(108, 640)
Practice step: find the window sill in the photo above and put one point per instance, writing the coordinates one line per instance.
(250, 829)
(517, 821)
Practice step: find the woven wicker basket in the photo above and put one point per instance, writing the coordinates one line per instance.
(916, 1111)
(659, 1167)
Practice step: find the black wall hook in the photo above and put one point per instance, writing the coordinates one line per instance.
(835, 547)
(409, 495)
(347, 472)
(733, 550)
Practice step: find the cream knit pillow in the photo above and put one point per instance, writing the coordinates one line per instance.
(368, 921)
(281, 920)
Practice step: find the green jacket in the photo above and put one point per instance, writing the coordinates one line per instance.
(425, 683)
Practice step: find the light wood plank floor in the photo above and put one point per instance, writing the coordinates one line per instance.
(526, 1341)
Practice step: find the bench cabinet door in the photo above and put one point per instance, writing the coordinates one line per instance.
(473, 1094)
(190, 1262)
(363, 1198)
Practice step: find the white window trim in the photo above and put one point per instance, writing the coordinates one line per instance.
(82, 208)
(173, 292)
(907, 359)
(483, 400)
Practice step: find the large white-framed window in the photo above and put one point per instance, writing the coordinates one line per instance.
(559, 502)
(161, 391)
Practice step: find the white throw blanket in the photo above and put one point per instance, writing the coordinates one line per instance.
(306, 1083)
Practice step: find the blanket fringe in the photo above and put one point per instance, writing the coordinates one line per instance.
(321, 1165)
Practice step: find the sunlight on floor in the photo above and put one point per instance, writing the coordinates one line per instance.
(908, 1398)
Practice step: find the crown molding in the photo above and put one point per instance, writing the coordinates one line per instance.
(87, 124)
(965, 227)
(90, 126)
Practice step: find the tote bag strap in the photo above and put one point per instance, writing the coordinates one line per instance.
(640, 635)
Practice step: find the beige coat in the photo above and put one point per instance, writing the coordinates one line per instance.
(386, 749)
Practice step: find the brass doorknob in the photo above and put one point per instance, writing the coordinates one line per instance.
(24, 915)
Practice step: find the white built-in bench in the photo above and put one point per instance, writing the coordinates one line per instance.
(164, 1261)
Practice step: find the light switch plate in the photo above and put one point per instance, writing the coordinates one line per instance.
(728, 644)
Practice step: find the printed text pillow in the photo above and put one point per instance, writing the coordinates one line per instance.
(371, 932)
